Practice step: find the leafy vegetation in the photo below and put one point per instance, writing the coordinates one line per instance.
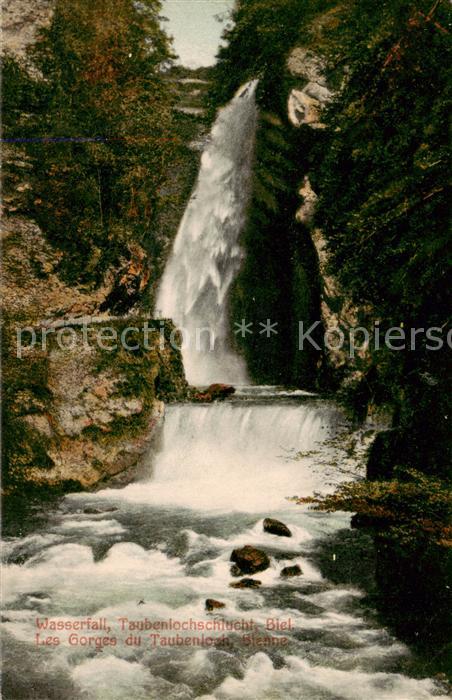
(410, 506)
(257, 41)
(380, 170)
(383, 185)
(388, 226)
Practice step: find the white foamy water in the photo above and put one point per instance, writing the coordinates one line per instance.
(154, 551)
(164, 546)
(206, 255)
(253, 473)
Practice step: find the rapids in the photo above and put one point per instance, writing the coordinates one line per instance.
(104, 595)
(150, 554)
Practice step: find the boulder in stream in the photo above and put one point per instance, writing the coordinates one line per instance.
(276, 527)
(215, 392)
(246, 583)
(249, 560)
(212, 604)
(290, 571)
(92, 510)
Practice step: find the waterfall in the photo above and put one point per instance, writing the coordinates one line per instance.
(254, 472)
(151, 554)
(142, 564)
(207, 256)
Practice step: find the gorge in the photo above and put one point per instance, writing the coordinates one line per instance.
(304, 209)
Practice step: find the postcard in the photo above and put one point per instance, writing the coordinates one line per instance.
(226, 350)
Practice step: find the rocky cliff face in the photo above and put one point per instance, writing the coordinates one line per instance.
(338, 313)
(286, 275)
(349, 212)
(75, 415)
(306, 102)
(21, 20)
(78, 412)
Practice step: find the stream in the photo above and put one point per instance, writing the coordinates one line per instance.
(105, 593)
(152, 553)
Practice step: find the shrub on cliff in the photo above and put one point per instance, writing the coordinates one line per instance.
(410, 516)
(256, 41)
(410, 509)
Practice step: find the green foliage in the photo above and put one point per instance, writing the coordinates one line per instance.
(24, 392)
(411, 507)
(100, 95)
(257, 42)
(152, 367)
(380, 170)
(383, 186)
(276, 279)
(383, 178)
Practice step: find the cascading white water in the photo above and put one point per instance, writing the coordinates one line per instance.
(154, 551)
(206, 255)
(253, 473)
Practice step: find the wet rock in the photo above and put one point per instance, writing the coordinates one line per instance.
(250, 560)
(38, 595)
(246, 583)
(276, 527)
(91, 510)
(215, 392)
(290, 571)
(212, 604)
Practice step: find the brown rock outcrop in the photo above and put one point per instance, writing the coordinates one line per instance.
(250, 560)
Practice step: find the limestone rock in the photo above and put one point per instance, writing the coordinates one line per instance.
(338, 312)
(90, 421)
(39, 422)
(305, 103)
(215, 392)
(306, 212)
(305, 106)
(304, 63)
(21, 20)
